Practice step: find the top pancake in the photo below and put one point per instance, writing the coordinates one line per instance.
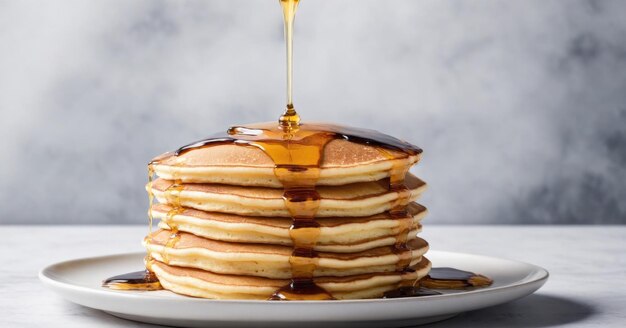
(342, 162)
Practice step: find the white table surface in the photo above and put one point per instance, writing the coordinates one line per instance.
(587, 286)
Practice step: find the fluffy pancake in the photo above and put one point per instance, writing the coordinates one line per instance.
(336, 234)
(343, 162)
(227, 232)
(353, 200)
(200, 283)
(271, 261)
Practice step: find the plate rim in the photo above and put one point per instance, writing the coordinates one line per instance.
(540, 275)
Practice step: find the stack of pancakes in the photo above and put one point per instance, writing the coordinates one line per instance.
(224, 229)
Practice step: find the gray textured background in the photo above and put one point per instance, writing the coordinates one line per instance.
(519, 105)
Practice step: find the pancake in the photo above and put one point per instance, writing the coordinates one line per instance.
(272, 261)
(353, 200)
(336, 234)
(205, 284)
(305, 211)
(344, 162)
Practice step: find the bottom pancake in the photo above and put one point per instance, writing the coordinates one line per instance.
(204, 284)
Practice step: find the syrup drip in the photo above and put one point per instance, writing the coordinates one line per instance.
(297, 156)
(169, 217)
(290, 118)
(150, 197)
(148, 238)
(139, 280)
(147, 280)
(400, 247)
(441, 278)
(397, 173)
(172, 195)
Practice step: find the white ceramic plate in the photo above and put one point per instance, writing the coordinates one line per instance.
(79, 281)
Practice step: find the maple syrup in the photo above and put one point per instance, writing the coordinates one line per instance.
(440, 278)
(150, 197)
(139, 280)
(290, 118)
(147, 280)
(172, 195)
(451, 278)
